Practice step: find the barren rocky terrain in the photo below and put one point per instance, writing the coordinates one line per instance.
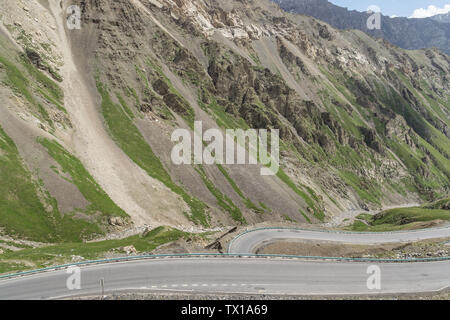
(435, 248)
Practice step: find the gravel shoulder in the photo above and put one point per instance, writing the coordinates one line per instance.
(148, 296)
(423, 249)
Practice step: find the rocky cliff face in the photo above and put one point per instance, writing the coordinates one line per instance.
(89, 115)
(403, 32)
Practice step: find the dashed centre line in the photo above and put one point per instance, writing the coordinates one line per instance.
(204, 285)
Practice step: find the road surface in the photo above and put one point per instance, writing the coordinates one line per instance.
(246, 275)
(250, 241)
(233, 275)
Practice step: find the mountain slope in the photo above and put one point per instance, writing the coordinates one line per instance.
(403, 32)
(363, 124)
(444, 18)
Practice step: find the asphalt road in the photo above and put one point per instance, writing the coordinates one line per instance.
(237, 275)
(247, 275)
(249, 242)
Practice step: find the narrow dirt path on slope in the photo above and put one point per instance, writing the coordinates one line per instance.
(145, 199)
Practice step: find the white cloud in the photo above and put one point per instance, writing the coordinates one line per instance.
(430, 11)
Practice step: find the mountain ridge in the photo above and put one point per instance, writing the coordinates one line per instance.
(404, 32)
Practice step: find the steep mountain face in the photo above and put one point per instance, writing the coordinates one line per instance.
(403, 32)
(87, 116)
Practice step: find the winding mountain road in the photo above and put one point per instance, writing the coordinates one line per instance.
(249, 242)
(247, 275)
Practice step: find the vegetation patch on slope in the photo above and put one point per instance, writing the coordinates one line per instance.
(46, 84)
(21, 82)
(131, 141)
(318, 213)
(100, 201)
(443, 204)
(187, 113)
(63, 253)
(248, 203)
(222, 200)
(366, 190)
(399, 219)
(27, 209)
(22, 212)
(223, 119)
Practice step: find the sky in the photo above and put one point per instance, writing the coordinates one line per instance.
(400, 8)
